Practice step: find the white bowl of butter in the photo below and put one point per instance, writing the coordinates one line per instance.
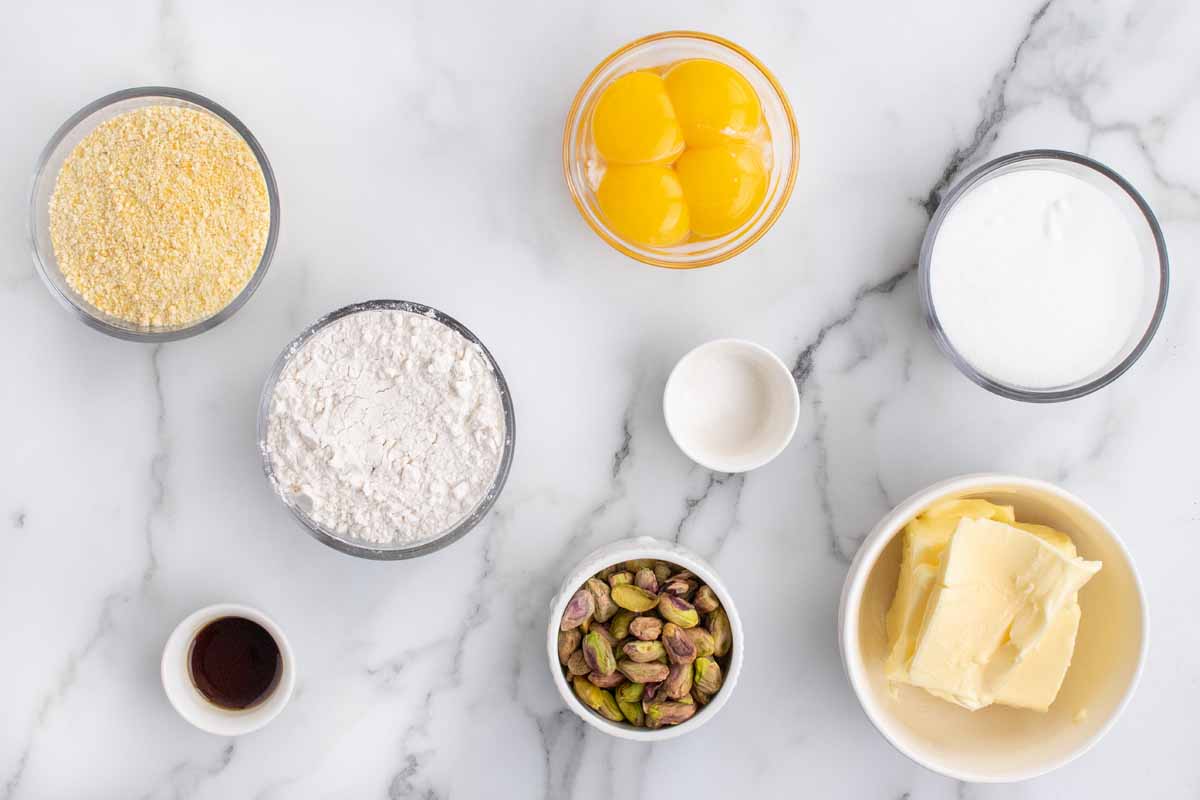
(1016, 639)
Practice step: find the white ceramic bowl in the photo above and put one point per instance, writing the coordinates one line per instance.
(193, 706)
(627, 550)
(999, 744)
(731, 405)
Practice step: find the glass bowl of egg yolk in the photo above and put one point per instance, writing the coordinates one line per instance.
(680, 149)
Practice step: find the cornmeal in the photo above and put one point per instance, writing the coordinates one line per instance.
(160, 216)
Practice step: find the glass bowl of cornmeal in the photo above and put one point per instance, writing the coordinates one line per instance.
(680, 149)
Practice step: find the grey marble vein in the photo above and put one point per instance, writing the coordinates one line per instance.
(994, 111)
(692, 505)
(802, 367)
(186, 777)
(159, 462)
(63, 683)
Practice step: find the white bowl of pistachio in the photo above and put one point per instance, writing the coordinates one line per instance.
(644, 641)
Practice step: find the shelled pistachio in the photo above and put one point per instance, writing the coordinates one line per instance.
(568, 642)
(605, 607)
(676, 609)
(703, 640)
(645, 579)
(598, 653)
(597, 699)
(577, 664)
(646, 628)
(618, 626)
(718, 626)
(580, 608)
(634, 598)
(707, 676)
(644, 652)
(617, 578)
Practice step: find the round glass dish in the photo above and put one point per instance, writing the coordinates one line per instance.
(50, 162)
(656, 51)
(1151, 244)
(349, 544)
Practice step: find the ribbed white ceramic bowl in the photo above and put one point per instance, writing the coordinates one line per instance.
(627, 550)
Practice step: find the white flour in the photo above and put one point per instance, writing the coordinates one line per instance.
(386, 426)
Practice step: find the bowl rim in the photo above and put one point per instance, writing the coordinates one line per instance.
(924, 270)
(625, 550)
(789, 180)
(860, 571)
(352, 546)
(42, 261)
(793, 399)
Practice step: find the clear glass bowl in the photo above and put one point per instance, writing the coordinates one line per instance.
(349, 544)
(656, 51)
(50, 162)
(1151, 244)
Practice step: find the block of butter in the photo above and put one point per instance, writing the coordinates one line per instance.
(986, 608)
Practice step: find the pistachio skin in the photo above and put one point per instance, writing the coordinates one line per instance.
(667, 713)
(577, 665)
(645, 579)
(606, 681)
(722, 633)
(604, 605)
(643, 673)
(679, 681)
(598, 653)
(633, 598)
(580, 609)
(630, 692)
(602, 629)
(644, 652)
(707, 676)
(646, 628)
(706, 600)
(618, 626)
(597, 699)
(677, 610)
(617, 578)
(568, 642)
(703, 640)
(679, 646)
(633, 713)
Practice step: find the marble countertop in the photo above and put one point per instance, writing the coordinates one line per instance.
(417, 150)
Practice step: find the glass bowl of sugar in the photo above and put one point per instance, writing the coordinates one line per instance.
(387, 429)
(1043, 275)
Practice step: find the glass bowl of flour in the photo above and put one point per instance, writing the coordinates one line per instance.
(1043, 275)
(387, 429)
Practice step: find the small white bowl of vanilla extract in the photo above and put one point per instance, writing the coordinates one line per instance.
(228, 669)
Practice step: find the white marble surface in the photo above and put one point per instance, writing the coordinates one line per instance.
(417, 152)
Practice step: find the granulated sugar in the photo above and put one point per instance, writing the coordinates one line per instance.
(386, 426)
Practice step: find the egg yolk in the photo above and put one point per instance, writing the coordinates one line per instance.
(723, 185)
(713, 102)
(644, 204)
(634, 122)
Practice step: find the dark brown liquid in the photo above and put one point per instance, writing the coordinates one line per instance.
(235, 662)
